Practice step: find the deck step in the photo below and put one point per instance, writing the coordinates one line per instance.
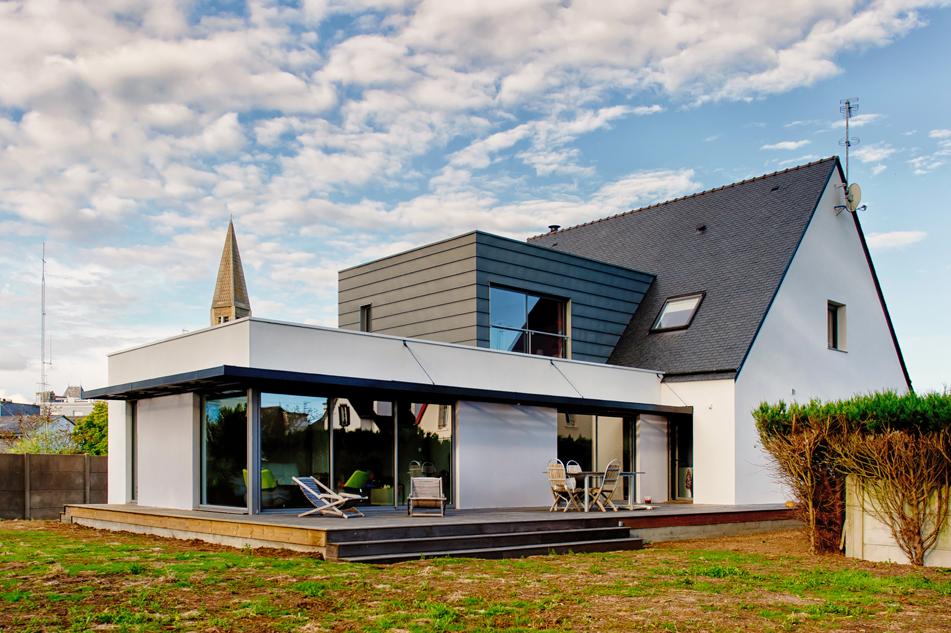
(425, 544)
(478, 527)
(514, 551)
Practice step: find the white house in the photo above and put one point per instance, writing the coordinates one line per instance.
(647, 337)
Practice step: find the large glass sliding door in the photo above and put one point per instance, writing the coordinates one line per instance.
(224, 449)
(295, 441)
(424, 445)
(363, 446)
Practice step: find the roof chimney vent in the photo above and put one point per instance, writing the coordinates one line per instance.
(553, 228)
(701, 228)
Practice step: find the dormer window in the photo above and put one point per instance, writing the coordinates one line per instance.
(677, 313)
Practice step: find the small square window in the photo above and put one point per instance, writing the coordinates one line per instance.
(835, 325)
(677, 312)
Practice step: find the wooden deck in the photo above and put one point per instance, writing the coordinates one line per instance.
(386, 535)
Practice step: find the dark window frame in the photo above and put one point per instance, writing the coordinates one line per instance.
(656, 330)
(366, 317)
(566, 311)
(835, 322)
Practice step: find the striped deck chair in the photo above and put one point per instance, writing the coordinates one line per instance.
(425, 492)
(325, 500)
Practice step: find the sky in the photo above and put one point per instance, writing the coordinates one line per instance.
(337, 132)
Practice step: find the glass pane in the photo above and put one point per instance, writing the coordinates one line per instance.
(575, 437)
(424, 445)
(507, 308)
(295, 441)
(363, 448)
(547, 345)
(224, 449)
(546, 315)
(677, 312)
(507, 340)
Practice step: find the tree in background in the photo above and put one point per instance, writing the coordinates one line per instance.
(91, 433)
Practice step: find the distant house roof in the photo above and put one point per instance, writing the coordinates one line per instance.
(733, 243)
(8, 408)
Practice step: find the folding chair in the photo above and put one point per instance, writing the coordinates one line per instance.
(605, 490)
(562, 488)
(325, 500)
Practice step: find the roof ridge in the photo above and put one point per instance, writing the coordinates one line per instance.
(686, 197)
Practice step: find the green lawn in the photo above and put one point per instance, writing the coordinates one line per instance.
(55, 577)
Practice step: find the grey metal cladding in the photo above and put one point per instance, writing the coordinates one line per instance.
(750, 232)
(603, 296)
(426, 292)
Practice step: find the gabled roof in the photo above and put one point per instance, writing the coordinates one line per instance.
(230, 288)
(734, 243)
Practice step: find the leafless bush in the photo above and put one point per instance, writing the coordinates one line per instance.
(804, 464)
(906, 478)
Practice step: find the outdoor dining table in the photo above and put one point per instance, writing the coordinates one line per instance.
(591, 475)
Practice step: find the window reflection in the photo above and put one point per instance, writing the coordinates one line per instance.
(527, 323)
(224, 450)
(425, 445)
(295, 441)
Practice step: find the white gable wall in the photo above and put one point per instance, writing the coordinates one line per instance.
(790, 359)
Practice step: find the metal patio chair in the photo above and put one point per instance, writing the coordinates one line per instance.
(425, 492)
(562, 488)
(605, 489)
(327, 501)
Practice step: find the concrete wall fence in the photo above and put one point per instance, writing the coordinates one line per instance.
(38, 486)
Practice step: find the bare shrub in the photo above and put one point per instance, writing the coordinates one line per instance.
(906, 478)
(804, 463)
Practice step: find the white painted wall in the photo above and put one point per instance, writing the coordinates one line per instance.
(211, 347)
(652, 458)
(714, 419)
(118, 482)
(790, 359)
(168, 451)
(501, 452)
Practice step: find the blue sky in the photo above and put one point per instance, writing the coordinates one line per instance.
(335, 132)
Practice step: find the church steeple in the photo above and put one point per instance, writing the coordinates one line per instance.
(230, 300)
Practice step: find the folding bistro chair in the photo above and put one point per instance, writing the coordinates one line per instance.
(325, 500)
(605, 490)
(562, 488)
(426, 492)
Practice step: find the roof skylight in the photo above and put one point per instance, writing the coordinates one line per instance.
(677, 312)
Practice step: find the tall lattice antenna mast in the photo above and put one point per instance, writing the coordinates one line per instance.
(44, 363)
(847, 107)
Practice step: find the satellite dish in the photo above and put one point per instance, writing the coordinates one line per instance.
(853, 196)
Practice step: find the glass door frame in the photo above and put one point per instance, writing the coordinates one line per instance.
(251, 430)
(254, 449)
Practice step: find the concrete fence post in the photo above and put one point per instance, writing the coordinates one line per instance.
(85, 478)
(27, 512)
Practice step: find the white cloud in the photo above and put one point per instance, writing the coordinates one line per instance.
(877, 169)
(894, 239)
(939, 134)
(874, 153)
(922, 165)
(858, 120)
(786, 145)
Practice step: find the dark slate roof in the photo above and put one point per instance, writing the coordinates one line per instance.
(752, 229)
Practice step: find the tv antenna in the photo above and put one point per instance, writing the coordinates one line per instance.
(847, 106)
(43, 395)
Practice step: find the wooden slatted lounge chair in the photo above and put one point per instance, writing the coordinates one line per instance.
(425, 492)
(327, 501)
(605, 490)
(562, 488)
